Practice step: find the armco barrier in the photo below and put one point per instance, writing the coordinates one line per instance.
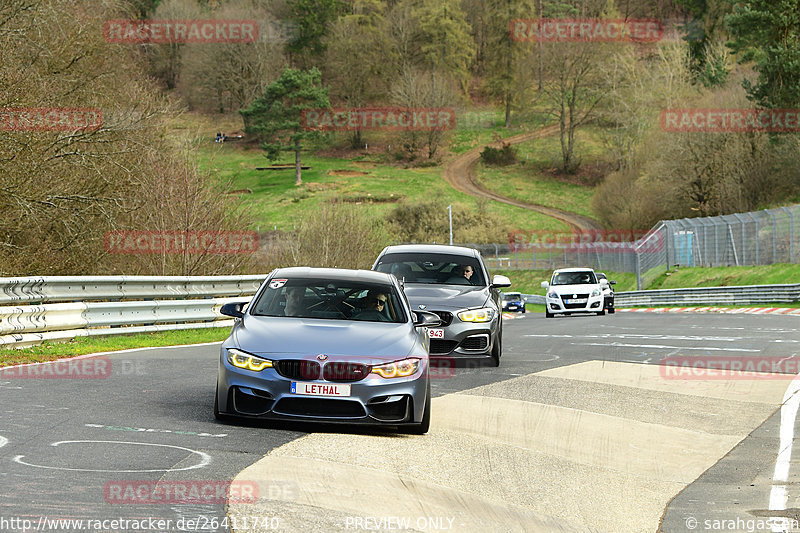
(37, 309)
(741, 295)
(83, 288)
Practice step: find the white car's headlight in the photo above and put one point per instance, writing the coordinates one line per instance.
(484, 314)
(552, 295)
(247, 361)
(398, 369)
(597, 292)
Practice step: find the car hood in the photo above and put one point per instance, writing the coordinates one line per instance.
(446, 297)
(299, 336)
(573, 289)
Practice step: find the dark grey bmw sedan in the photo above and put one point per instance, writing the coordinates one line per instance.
(452, 282)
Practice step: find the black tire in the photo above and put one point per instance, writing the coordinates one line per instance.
(425, 425)
(217, 415)
(548, 314)
(497, 349)
(523, 309)
(611, 308)
(601, 313)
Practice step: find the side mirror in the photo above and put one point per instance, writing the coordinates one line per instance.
(604, 283)
(426, 319)
(232, 309)
(500, 281)
(545, 285)
(612, 282)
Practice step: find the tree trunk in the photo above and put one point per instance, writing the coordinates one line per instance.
(298, 179)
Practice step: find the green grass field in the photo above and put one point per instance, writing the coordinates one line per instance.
(728, 276)
(531, 179)
(274, 202)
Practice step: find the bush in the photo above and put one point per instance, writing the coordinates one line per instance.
(338, 235)
(499, 156)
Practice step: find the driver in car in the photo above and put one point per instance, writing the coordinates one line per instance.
(375, 303)
(461, 275)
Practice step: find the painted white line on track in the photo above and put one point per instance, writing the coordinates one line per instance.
(205, 459)
(664, 347)
(778, 496)
(643, 336)
(3, 441)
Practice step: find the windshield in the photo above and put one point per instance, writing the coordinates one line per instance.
(585, 277)
(330, 299)
(512, 296)
(436, 269)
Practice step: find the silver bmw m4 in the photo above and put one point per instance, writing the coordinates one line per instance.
(328, 345)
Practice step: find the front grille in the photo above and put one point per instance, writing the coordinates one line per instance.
(476, 342)
(570, 297)
(298, 369)
(447, 318)
(319, 407)
(342, 371)
(442, 347)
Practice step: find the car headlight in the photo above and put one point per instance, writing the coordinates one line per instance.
(398, 369)
(484, 314)
(247, 361)
(597, 292)
(552, 295)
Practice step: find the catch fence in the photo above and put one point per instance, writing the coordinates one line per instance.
(743, 239)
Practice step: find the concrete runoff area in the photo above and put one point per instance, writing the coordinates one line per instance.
(498, 458)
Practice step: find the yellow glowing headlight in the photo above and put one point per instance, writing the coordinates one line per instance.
(244, 360)
(398, 369)
(484, 314)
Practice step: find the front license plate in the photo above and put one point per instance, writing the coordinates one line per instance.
(436, 333)
(320, 389)
(576, 301)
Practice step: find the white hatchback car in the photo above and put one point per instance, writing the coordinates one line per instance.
(574, 290)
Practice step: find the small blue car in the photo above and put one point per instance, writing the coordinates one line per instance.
(513, 302)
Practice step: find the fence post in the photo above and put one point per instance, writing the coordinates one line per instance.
(638, 271)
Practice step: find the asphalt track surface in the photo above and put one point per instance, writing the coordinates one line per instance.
(579, 429)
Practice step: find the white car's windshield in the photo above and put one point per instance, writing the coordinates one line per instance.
(574, 278)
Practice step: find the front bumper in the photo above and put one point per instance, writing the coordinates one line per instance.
(465, 339)
(373, 400)
(593, 304)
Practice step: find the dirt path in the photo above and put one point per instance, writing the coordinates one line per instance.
(459, 174)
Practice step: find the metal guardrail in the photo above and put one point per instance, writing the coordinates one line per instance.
(737, 295)
(83, 288)
(61, 308)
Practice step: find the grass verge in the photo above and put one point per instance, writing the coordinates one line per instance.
(86, 345)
